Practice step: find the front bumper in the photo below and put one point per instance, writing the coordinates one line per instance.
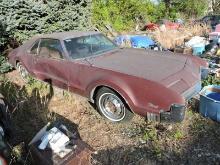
(176, 114)
(194, 90)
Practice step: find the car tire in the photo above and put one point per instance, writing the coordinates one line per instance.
(23, 72)
(112, 106)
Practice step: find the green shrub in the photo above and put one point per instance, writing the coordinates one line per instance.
(25, 18)
(211, 80)
(4, 65)
(124, 14)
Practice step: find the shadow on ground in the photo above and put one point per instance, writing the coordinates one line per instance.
(200, 144)
(29, 112)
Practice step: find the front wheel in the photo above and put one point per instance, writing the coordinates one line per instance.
(23, 72)
(112, 106)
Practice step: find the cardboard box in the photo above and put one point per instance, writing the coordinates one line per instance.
(80, 152)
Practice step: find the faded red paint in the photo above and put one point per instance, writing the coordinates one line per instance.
(149, 81)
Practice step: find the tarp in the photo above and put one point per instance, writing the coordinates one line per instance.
(141, 42)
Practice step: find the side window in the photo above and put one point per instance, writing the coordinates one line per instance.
(50, 48)
(34, 48)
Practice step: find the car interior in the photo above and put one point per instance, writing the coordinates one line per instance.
(50, 49)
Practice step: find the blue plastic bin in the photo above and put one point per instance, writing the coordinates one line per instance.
(198, 49)
(210, 102)
(141, 42)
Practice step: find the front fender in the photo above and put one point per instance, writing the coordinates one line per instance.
(141, 95)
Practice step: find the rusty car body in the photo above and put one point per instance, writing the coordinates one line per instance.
(150, 83)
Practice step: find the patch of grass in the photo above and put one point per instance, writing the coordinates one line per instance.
(190, 113)
(199, 125)
(67, 95)
(151, 137)
(35, 84)
(157, 151)
(150, 134)
(178, 134)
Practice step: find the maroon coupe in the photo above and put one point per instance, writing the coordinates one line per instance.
(119, 81)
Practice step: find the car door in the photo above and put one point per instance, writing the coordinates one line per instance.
(76, 51)
(49, 64)
(29, 55)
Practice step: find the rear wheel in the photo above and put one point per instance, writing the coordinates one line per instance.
(23, 72)
(112, 106)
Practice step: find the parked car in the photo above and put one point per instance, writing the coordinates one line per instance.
(119, 81)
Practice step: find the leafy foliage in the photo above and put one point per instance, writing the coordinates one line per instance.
(21, 19)
(124, 14)
(4, 65)
(191, 8)
(25, 18)
(211, 80)
(216, 6)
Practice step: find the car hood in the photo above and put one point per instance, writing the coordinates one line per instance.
(147, 64)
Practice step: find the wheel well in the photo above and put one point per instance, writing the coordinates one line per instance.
(16, 62)
(95, 91)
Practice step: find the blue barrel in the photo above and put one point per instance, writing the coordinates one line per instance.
(210, 102)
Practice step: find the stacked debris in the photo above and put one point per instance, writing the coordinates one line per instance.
(55, 144)
(136, 41)
(5, 131)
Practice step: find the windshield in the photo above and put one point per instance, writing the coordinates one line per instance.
(88, 46)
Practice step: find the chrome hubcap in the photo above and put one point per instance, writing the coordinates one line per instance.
(23, 72)
(112, 107)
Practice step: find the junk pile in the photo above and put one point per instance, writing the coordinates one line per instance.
(54, 144)
(136, 41)
(5, 131)
(163, 36)
(195, 39)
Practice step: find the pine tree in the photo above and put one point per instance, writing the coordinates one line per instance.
(25, 18)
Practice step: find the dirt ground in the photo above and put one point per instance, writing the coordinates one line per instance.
(196, 140)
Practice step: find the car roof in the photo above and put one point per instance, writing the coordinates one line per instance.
(66, 35)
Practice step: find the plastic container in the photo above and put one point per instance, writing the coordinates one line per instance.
(198, 49)
(210, 102)
(141, 42)
(204, 73)
(120, 40)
